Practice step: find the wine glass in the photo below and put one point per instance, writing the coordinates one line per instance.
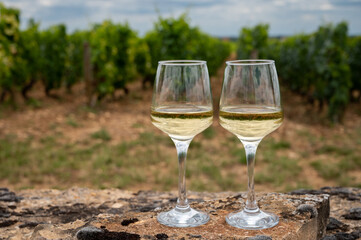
(182, 108)
(250, 108)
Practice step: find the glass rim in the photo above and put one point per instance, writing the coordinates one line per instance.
(182, 62)
(246, 62)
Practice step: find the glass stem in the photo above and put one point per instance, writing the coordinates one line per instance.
(250, 149)
(182, 148)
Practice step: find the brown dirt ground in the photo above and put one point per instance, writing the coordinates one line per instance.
(122, 115)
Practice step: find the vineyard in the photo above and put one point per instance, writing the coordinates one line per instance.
(323, 66)
(117, 55)
(62, 121)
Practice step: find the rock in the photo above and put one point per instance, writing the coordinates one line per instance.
(7, 196)
(92, 233)
(335, 224)
(161, 236)
(115, 214)
(86, 232)
(329, 238)
(352, 194)
(356, 234)
(126, 222)
(28, 224)
(303, 208)
(354, 214)
(260, 237)
(7, 223)
(344, 236)
(306, 191)
(194, 236)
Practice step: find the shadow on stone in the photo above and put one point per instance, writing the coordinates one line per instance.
(93, 233)
(335, 224)
(354, 214)
(260, 237)
(126, 222)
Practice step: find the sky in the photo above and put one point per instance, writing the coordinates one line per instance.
(222, 18)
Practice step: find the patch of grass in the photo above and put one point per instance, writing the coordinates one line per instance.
(279, 171)
(280, 145)
(13, 157)
(137, 125)
(358, 136)
(34, 103)
(89, 109)
(329, 171)
(270, 144)
(48, 140)
(209, 133)
(101, 134)
(72, 122)
(166, 182)
(201, 186)
(348, 163)
(239, 154)
(149, 138)
(101, 164)
(346, 181)
(53, 126)
(331, 149)
(195, 145)
(306, 134)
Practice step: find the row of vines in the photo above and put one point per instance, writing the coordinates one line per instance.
(324, 66)
(117, 54)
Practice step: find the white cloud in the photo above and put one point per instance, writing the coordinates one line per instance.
(308, 17)
(217, 17)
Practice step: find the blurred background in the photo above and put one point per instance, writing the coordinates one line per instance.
(76, 83)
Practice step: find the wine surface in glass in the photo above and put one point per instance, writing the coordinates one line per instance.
(251, 123)
(182, 122)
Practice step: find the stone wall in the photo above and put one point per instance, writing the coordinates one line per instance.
(78, 213)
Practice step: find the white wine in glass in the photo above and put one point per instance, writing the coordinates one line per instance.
(250, 108)
(182, 108)
(251, 123)
(182, 122)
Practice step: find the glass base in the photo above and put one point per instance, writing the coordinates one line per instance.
(178, 217)
(254, 220)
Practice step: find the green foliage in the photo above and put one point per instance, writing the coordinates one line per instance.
(316, 66)
(332, 73)
(324, 66)
(175, 39)
(53, 55)
(31, 55)
(112, 56)
(117, 54)
(213, 50)
(252, 42)
(293, 60)
(74, 60)
(354, 53)
(142, 59)
(9, 38)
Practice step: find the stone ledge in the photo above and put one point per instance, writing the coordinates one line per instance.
(79, 213)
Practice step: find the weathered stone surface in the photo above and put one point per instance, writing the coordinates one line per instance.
(115, 214)
(353, 214)
(344, 203)
(334, 224)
